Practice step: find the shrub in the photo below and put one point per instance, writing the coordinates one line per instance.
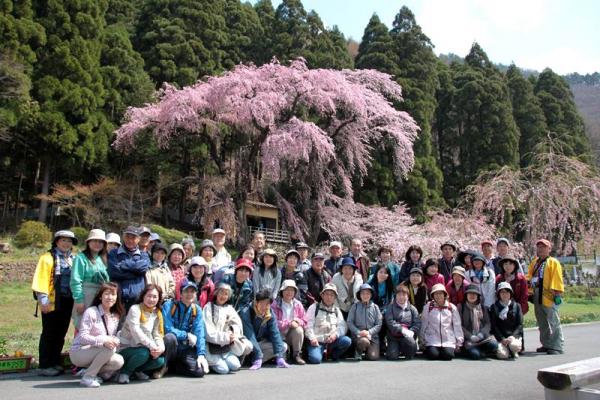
(81, 234)
(168, 236)
(32, 234)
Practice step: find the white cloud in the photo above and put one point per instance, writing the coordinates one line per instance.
(561, 60)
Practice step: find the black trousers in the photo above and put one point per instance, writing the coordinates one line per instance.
(439, 353)
(181, 357)
(55, 326)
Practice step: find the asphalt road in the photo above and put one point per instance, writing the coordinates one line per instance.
(417, 379)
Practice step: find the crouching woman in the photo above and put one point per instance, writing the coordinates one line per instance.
(441, 330)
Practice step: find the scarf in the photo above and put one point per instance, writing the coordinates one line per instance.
(504, 312)
(159, 316)
(510, 278)
(476, 316)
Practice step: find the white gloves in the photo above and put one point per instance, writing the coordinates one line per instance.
(202, 363)
(407, 333)
(192, 339)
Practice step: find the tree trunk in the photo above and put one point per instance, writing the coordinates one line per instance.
(45, 189)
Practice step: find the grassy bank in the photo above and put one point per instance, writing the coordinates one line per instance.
(21, 329)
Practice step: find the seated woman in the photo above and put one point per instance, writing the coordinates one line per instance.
(141, 337)
(267, 274)
(364, 323)
(95, 346)
(507, 323)
(199, 275)
(241, 284)
(456, 286)
(224, 333)
(432, 275)
(291, 319)
(476, 325)
(441, 331)
(326, 328)
(185, 346)
(417, 290)
(403, 325)
(260, 327)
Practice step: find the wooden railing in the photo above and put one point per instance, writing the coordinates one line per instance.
(271, 235)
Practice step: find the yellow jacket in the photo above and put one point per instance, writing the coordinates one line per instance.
(43, 281)
(552, 280)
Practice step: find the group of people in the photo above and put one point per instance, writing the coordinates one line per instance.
(142, 309)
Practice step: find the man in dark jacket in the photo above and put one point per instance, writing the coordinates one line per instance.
(447, 262)
(334, 262)
(127, 266)
(316, 277)
(260, 327)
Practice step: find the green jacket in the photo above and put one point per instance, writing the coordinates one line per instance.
(85, 271)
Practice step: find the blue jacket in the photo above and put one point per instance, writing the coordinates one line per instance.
(129, 271)
(333, 265)
(180, 321)
(240, 296)
(257, 329)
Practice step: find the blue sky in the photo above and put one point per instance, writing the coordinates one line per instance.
(534, 34)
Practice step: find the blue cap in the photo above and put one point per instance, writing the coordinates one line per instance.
(348, 261)
(187, 284)
(366, 286)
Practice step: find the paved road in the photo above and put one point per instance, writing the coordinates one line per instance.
(417, 379)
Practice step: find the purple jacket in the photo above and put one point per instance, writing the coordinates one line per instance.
(282, 323)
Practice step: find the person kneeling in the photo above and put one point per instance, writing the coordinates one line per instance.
(403, 323)
(291, 319)
(507, 323)
(260, 327)
(185, 346)
(224, 333)
(476, 325)
(326, 328)
(364, 323)
(441, 331)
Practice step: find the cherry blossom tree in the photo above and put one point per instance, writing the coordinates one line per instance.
(274, 125)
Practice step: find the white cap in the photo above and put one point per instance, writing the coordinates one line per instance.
(218, 230)
(96, 234)
(336, 243)
(113, 238)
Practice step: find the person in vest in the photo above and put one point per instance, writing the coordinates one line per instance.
(347, 281)
(304, 250)
(96, 343)
(241, 284)
(225, 339)
(447, 262)
(185, 345)
(291, 319)
(159, 273)
(267, 275)
(441, 330)
(88, 273)
(403, 325)
(127, 266)
(418, 295)
(51, 288)
(507, 323)
(334, 262)
(546, 287)
(413, 258)
(260, 327)
(476, 325)
(141, 338)
(484, 277)
(326, 328)
(364, 323)
(316, 278)
(456, 286)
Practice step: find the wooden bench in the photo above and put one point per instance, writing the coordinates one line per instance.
(568, 381)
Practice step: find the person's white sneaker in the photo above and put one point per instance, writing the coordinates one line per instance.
(89, 381)
(123, 378)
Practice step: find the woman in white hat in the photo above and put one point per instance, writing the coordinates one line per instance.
(113, 241)
(198, 274)
(224, 333)
(441, 330)
(88, 273)
(291, 319)
(507, 322)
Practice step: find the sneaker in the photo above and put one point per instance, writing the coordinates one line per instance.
(81, 372)
(553, 352)
(89, 381)
(515, 356)
(159, 373)
(123, 378)
(298, 360)
(140, 376)
(51, 371)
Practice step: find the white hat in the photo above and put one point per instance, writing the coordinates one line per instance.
(113, 238)
(96, 234)
(288, 283)
(198, 260)
(336, 243)
(218, 230)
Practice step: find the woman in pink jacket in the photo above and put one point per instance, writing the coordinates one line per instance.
(95, 346)
(290, 319)
(441, 330)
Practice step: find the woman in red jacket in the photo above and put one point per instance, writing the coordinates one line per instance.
(517, 281)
